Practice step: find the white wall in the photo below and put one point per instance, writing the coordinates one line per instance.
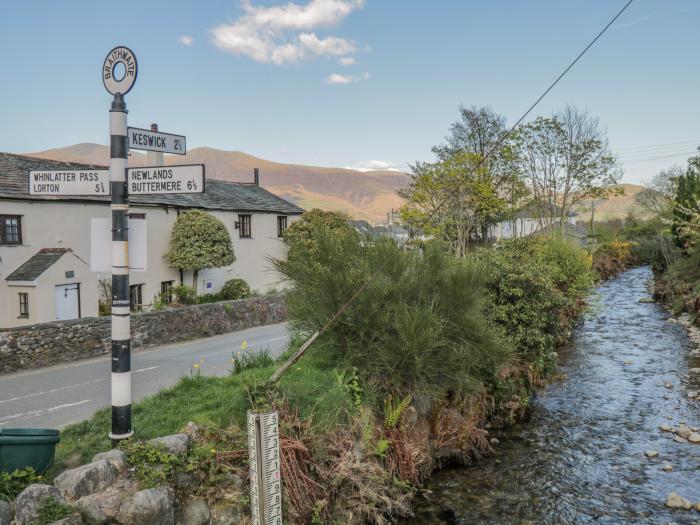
(47, 224)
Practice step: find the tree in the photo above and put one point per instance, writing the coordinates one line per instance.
(566, 160)
(473, 184)
(199, 240)
(658, 199)
(300, 235)
(686, 209)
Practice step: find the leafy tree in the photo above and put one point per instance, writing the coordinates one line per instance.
(199, 240)
(686, 210)
(301, 234)
(566, 159)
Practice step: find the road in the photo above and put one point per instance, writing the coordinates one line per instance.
(56, 396)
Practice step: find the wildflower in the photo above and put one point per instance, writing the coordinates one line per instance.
(244, 345)
(213, 452)
(196, 365)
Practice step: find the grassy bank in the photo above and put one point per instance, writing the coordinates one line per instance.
(432, 350)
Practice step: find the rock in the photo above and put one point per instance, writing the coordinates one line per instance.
(667, 467)
(683, 431)
(666, 427)
(494, 441)
(694, 370)
(694, 437)
(226, 515)
(668, 385)
(73, 519)
(115, 456)
(5, 513)
(692, 393)
(88, 479)
(176, 444)
(196, 513)
(30, 499)
(697, 506)
(679, 439)
(675, 501)
(651, 453)
(150, 506)
(100, 508)
(192, 430)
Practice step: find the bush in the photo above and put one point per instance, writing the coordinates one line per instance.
(537, 287)
(185, 294)
(12, 483)
(234, 289)
(419, 327)
(612, 258)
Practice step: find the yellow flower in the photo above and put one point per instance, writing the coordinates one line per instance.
(244, 345)
(196, 365)
(213, 451)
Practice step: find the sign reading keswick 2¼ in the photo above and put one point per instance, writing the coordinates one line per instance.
(156, 141)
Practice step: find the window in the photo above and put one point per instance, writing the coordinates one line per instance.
(166, 291)
(24, 305)
(10, 229)
(244, 226)
(136, 296)
(281, 225)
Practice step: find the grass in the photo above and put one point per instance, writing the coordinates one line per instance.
(311, 386)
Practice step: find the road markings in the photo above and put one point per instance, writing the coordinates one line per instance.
(53, 390)
(35, 413)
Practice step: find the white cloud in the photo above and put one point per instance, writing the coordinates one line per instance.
(337, 78)
(283, 34)
(186, 40)
(346, 61)
(373, 165)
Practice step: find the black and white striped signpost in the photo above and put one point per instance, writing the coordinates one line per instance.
(119, 83)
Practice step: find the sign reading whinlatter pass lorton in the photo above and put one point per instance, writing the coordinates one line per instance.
(156, 141)
(165, 179)
(79, 182)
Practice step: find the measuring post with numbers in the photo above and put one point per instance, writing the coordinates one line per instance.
(264, 465)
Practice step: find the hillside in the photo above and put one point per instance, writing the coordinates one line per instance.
(364, 195)
(614, 207)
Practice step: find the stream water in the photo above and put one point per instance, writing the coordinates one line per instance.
(580, 456)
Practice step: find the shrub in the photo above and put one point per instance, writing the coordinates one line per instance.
(419, 327)
(234, 289)
(12, 483)
(185, 294)
(612, 258)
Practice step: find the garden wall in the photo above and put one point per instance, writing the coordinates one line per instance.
(66, 341)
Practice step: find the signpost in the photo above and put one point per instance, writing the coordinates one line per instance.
(264, 466)
(80, 182)
(166, 179)
(148, 140)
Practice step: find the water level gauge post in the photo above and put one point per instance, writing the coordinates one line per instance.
(265, 471)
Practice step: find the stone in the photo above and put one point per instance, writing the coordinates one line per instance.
(694, 370)
(88, 479)
(675, 501)
(667, 467)
(196, 513)
(697, 506)
(494, 441)
(666, 427)
(226, 514)
(115, 456)
(176, 444)
(679, 439)
(150, 506)
(651, 453)
(692, 393)
(668, 385)
(100, 508)
(73, 519)
(5, 512)
(683, 431)
(30, 499)
(694, 437)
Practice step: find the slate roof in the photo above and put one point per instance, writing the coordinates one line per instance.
(218, 195)
(37, 264)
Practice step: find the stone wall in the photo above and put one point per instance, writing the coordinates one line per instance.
(66, 341)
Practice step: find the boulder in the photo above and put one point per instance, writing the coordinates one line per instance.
(176, 444)
(100, 508)
(226, 514)
(683, 431)
(88, 479)
(5, 513)
(30, 499)
(196, 513)
(150, 506)
(115, 456)
(694, 437)
(675, 501)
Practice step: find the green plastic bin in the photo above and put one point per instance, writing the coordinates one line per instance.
(27, 447)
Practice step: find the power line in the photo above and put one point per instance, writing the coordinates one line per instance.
(278, 373)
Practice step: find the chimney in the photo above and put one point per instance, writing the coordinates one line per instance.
(256, 176)
(154, 127)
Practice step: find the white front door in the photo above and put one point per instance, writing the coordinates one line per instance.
(67, 301)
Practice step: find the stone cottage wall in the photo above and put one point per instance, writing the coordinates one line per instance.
(46, 344)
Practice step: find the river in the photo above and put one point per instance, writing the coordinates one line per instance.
(580, 456)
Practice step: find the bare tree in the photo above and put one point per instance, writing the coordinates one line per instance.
(658, 199)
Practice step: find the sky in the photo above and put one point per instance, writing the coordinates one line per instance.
(350, 83)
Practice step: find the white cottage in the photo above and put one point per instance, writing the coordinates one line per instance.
(45, 243)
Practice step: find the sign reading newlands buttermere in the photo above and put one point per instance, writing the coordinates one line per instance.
(156, 141)
(165, 179)
(82, 182)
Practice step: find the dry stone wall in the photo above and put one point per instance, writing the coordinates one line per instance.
(66, 341)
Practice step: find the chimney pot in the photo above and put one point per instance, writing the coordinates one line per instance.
(154, 127)
(256, 176)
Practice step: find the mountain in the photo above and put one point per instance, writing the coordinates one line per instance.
(614, 207)
(364, 195)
